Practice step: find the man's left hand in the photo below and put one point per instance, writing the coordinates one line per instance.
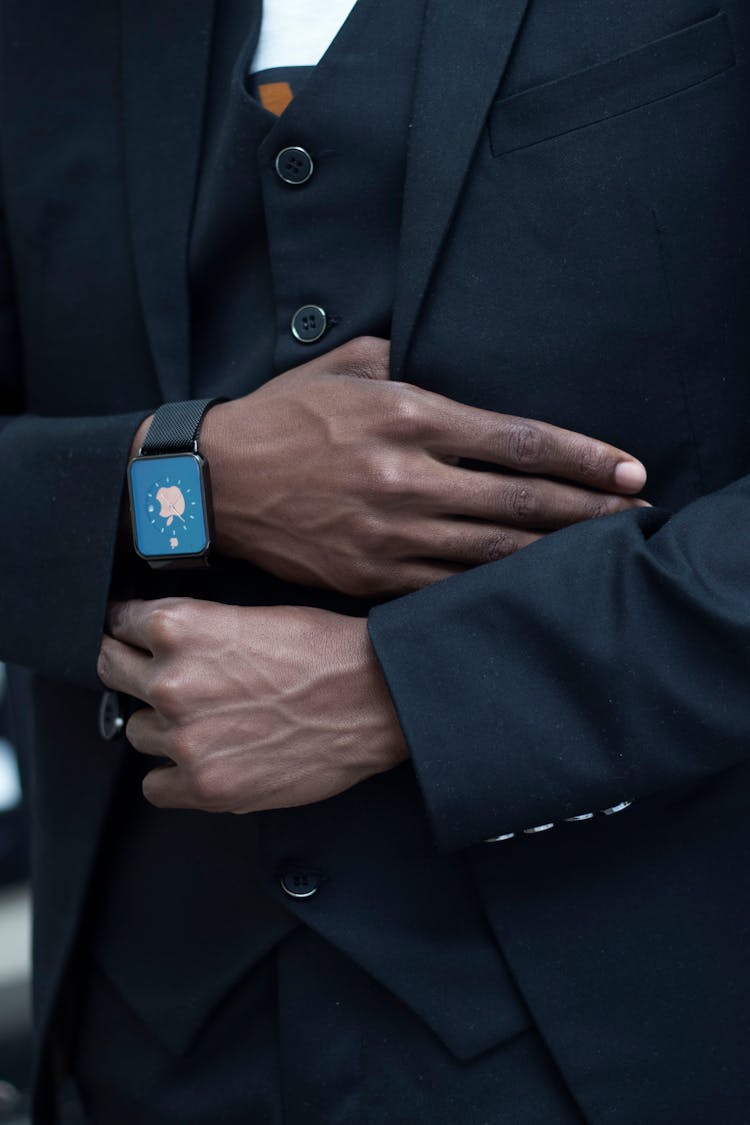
(252, 708)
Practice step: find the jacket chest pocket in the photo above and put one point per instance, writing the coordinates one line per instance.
(599, 93)
(558, 294)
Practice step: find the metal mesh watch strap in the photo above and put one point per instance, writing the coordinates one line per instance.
(175, 425)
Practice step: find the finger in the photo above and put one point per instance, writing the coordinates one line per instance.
(528, 446)
(124, 668)
(128, 622)
(167, 787)
(365, 357)
(146, 731)
(473, 544)
(523, 501)
(147, 625)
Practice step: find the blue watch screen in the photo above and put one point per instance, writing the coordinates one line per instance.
(166, 494)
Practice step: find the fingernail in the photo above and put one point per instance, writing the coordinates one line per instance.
(643, 504)
(630, 475)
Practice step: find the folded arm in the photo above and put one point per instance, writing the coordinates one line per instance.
(608, 663)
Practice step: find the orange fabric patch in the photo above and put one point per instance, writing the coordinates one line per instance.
(275, 96)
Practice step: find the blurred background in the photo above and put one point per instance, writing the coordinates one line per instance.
(15, 907)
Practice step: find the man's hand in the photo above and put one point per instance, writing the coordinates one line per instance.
(331, 475)
(253, 708)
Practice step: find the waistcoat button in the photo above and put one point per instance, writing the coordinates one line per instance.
(294, 165)
(299, 884)
(111, 718)
(309, 324)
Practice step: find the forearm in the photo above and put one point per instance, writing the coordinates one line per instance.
(609, 662)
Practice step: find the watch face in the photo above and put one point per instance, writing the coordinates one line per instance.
(167, 501)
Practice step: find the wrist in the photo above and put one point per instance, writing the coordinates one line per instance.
(140, 436)
(214, 444)
(220, 441)
(169, 488)
(388, 745)
(215, 441)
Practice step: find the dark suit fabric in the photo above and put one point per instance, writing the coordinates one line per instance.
(571, 243)
(307, 1038)
(215, 890)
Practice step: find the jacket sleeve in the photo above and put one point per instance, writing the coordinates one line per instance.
(61, 484)
(608, 662)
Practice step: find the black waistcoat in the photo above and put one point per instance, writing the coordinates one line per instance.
(262, 248)
(180, 912)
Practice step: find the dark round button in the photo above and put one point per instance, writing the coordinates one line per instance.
(111, 718)
(309, 324)
(298, 883)
(294, 165)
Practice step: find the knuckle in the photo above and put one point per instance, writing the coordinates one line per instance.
(407, 409)
(366, 526)
(164, 625)
(390, 477)
(367, 357)
(500, 545)
(166, 692)
(525, 443)
(591, 461)
(208, 787)
(599, 506)
(523, 503)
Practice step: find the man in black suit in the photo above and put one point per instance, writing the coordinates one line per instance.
(496, 862)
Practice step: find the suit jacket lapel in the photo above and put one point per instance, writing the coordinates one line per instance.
(464, 52)
(165, 59)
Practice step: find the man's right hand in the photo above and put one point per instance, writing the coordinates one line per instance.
(331, 475)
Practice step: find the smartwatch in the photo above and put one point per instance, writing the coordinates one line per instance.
(170, 495)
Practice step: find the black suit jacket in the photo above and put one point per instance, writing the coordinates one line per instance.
(575, 248)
